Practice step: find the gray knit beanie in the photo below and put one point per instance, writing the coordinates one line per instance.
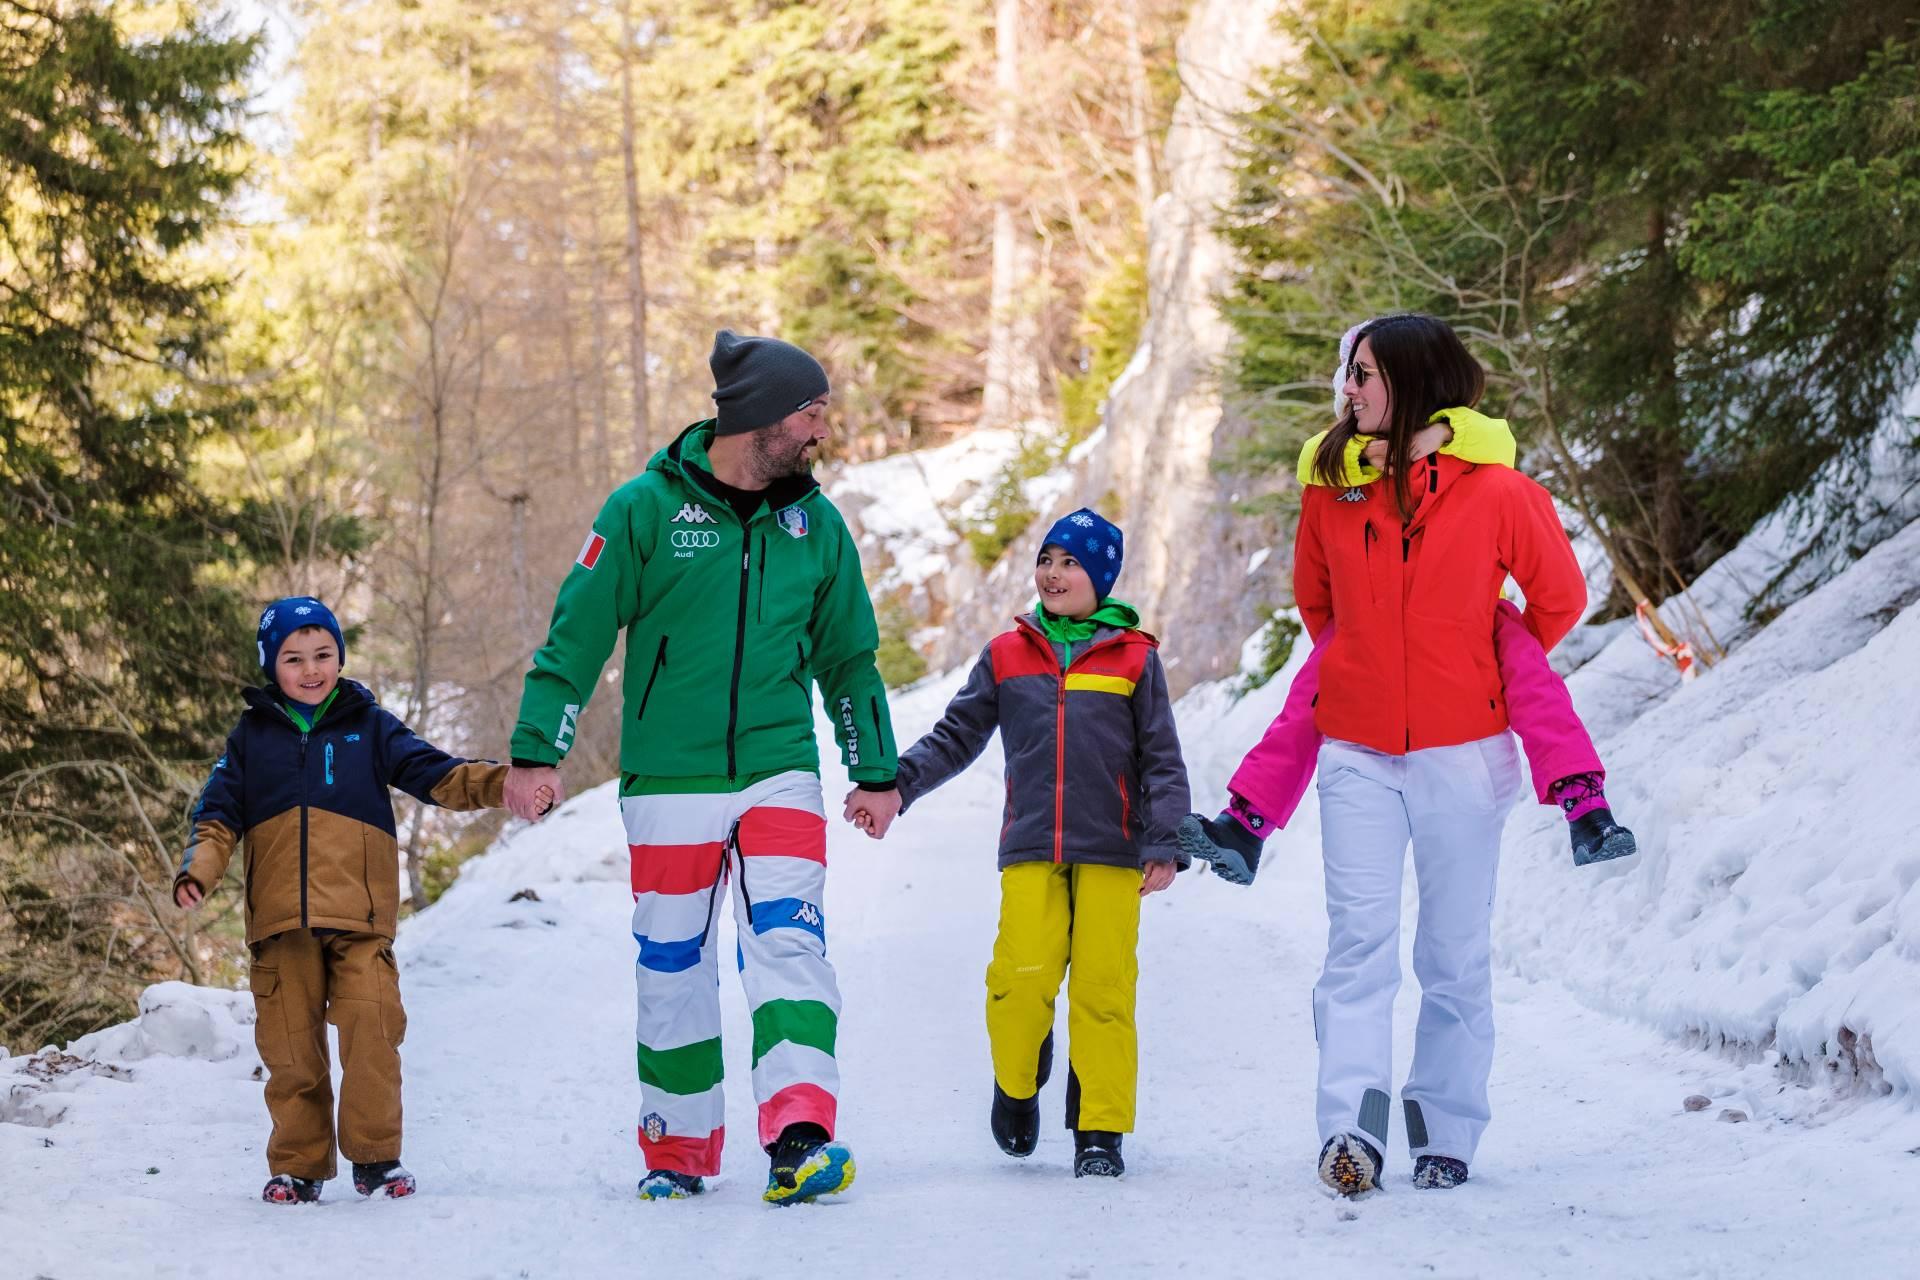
(758, 381)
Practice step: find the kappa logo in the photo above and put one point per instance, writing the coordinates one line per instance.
(794, 521)
(695, 539)
(1352, 495)
(852, 732)
(694, 513)
(809, 915)
(656, 1126)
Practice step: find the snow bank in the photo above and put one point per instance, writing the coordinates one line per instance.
(177, 1020)
(1772, 906)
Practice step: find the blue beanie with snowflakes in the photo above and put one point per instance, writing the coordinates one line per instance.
(284, 617)
(1095, 542)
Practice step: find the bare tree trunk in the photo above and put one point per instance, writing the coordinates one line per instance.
(636, 271)
(602, 449)
(1137, 104)
(1012, 388)
(560, 169)
(765, 251)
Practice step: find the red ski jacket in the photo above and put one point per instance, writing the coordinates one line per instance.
(1411, 664)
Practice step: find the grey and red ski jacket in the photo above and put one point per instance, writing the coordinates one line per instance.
(1094, 772)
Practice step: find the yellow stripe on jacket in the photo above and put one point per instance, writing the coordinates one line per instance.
(1101, 684)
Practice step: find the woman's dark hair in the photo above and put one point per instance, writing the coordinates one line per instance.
(1426, 368)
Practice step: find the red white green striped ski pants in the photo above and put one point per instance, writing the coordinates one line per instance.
(770, 840)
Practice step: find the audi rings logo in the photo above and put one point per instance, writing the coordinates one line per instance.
(691, 539)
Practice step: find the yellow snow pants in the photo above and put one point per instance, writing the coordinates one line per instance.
(1082, 921)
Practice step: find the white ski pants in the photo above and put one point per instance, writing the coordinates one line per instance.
(1450, 802)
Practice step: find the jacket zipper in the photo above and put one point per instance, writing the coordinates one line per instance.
(1366, 540)
(739, 654)
(659, 663)
(760, 605)
(1126, 808)
(1060, 739)
(1060, 771)
(303, 830)
(873, 705)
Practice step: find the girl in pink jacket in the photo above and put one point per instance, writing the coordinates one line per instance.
(1267, 787)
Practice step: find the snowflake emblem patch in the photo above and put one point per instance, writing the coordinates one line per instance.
(655, 1125)
(794, 521)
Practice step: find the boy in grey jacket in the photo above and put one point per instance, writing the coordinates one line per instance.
(1095, 791)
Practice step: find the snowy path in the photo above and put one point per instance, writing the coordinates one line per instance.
(521, 1107)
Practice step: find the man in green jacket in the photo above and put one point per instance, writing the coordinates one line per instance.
(738, 586)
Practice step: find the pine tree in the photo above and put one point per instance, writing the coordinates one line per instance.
(123, 639)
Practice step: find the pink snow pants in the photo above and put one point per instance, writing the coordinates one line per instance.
(1274, 775)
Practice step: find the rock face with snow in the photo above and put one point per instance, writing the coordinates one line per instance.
(1154, 464)
(1168, 423)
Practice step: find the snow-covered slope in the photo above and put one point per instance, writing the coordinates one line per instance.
(1773, 905)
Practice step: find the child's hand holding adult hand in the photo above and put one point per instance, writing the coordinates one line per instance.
(872, 811)
(187, 895)
(1155, 877)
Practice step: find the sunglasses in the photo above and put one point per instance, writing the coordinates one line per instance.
(1360, 374)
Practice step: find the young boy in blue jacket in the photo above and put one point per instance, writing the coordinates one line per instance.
(303, 783)
(1096, 789)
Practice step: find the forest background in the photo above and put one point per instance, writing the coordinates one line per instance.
(378, 301)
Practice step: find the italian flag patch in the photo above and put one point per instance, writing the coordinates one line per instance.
(590, 550)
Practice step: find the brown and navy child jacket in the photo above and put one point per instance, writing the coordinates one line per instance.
(1093, 766)
(311, 807)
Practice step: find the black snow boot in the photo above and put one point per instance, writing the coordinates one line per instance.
(1231, 849)
(1096, 1154)
(1443, 1172)
(1015, 1122)
(1598, 838)
(284, 1188)
(1349, 1164)
(384, 1178)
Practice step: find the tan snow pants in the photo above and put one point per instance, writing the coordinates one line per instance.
(302, 981)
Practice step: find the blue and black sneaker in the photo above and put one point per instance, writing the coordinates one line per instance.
(807, 1164)
(671, 1184)
(1231, 849)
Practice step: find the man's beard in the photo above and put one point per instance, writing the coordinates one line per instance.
(776, 459)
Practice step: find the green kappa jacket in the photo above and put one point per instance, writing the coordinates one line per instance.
(727, 628)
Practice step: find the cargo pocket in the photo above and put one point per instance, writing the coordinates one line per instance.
(393, 1015)
(270, 1018)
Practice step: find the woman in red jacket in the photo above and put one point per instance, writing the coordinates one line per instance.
(1417, 744)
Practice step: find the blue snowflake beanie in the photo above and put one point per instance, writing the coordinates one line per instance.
(284, 617)
(1095, 542)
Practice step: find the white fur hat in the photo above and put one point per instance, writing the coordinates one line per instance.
(1340, 370)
